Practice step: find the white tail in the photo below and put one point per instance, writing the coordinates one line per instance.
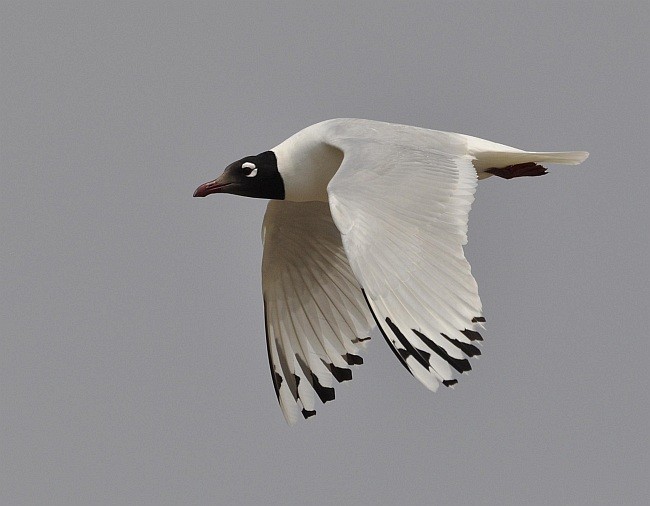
(491, 155)
(490, 159)
(487, 160)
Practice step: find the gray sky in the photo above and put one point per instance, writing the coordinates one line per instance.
(133, 363)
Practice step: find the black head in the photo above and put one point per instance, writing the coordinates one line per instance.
(252, 176)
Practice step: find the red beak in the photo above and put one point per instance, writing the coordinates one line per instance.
(215, 186)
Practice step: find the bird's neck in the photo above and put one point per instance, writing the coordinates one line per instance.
(306, 164)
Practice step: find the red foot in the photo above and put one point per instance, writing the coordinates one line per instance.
(518, 170)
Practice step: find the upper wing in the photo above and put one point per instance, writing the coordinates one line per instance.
(401, 200)
(316, 318)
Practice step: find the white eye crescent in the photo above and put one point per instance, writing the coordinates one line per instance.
(251, 167)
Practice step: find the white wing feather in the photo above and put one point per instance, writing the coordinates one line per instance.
(316, 318)
(401, 201)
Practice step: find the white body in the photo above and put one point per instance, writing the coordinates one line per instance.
(372, 229)
(309, 159)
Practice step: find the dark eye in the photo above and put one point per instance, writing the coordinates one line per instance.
(249, 169)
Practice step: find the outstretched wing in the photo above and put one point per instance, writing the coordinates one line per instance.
(316, 317)
(401, 200)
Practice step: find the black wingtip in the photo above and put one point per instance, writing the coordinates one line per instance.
(468, 349)
(325, 394)
(352, 359)
(472, 335)
(460, 364)
(341, 373)
(449, 383)
(277, 383)
(307, 413)
(409, 350)
(385, 336)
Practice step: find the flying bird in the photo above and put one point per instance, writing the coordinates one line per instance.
(366, 225)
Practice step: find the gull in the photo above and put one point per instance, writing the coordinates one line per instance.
(366, 225)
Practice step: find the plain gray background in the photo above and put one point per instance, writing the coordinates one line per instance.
(134, 367)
